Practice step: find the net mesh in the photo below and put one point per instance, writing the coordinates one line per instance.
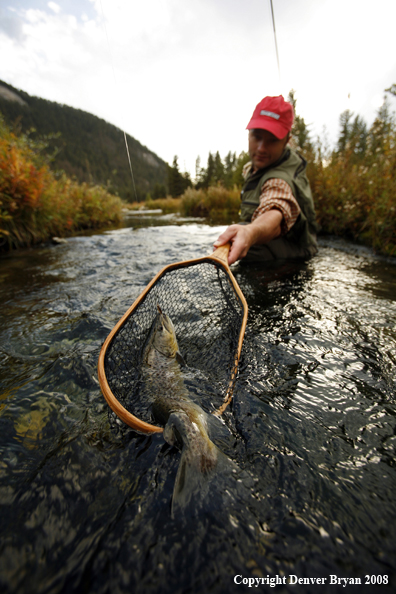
(207, 314)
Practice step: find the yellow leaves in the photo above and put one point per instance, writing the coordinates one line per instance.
(21, 182)
(35, 205)
(217, 203)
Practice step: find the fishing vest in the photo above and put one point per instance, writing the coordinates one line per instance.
(291, 168)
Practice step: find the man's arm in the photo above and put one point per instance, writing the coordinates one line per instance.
(276, 214)
(263, 229)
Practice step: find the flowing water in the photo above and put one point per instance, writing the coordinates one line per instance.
(86, 503)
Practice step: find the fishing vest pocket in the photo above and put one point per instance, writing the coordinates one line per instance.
(250, 202)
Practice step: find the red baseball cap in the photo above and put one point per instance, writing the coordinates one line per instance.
(273, 114)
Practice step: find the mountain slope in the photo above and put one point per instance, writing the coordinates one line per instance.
(89, 148)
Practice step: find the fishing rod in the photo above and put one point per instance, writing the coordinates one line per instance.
(276, 43)
(116, 84)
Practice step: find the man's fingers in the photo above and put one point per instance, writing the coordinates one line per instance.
(228, 234)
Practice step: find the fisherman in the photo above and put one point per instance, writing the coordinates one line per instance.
(277, 217)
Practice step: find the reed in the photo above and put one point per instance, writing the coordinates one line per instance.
(36, 204)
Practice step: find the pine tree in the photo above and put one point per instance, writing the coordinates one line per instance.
(300, 133)
(177, 182)
(218, 169)
(345, 132)
(230, 162)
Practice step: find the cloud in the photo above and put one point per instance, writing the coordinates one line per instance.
(55, 7)
(183, 77)
(11, 25)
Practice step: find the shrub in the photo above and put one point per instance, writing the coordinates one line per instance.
(35, 204)
(217, 204)
(167, 205)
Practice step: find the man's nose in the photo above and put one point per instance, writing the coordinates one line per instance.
(261, 145)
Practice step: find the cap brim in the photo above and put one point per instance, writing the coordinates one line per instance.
(271, 125)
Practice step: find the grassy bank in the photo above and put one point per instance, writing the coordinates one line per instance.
(36, 205)
(167, 205)
(216, 204)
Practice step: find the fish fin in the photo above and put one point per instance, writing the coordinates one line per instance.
(197, 481)
(189, 484)
(201, 465)
(180, 359)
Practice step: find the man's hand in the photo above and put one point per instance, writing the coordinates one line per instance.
(266, 227)
(239, 237)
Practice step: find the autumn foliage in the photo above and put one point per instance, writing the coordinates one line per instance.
(36, 204)
(353, 184)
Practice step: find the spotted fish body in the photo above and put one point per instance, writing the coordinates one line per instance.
(186, 424)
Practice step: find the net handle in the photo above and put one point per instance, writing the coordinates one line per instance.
(220, 255)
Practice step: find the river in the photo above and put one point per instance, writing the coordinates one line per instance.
(86, 503)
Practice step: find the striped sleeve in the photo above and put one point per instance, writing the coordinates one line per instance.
(276, 193)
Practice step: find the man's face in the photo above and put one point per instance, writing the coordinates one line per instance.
(265, 148)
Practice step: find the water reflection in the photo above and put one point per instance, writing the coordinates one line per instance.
(87, 508)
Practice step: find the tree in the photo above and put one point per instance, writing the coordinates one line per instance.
(300, 133)
(218, 169)
(177, 182)
(358, 137)
(345, 132)
(380, 133)
(159, 191)
(207, 176)
(237, 177)
(230, 162)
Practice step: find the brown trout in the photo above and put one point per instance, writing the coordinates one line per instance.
(186, 424)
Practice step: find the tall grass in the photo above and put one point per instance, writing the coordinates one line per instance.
(217, 204)
(167, 205)
(36, 205)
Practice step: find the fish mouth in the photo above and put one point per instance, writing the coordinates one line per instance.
(166, 322)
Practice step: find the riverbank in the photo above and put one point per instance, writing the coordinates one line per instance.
(345, 202)
(354, 196)
(216, 204)
(37, 204)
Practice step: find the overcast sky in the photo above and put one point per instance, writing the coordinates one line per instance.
(183, 76)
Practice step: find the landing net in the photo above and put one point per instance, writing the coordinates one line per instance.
(208, 316)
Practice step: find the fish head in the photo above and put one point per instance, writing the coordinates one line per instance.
(164, 339)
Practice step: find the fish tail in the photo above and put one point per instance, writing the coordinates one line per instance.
(193, 478)
(200, 463)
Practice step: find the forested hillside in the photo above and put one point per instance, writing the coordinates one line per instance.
(85, 146)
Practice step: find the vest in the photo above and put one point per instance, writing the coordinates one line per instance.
(291, 168)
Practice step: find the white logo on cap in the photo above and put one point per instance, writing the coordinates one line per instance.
(270, 114)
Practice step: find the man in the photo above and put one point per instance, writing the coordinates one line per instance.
(277, 210)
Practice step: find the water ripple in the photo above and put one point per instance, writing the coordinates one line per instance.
(312, 425)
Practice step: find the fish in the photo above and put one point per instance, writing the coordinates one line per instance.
(185, 422)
